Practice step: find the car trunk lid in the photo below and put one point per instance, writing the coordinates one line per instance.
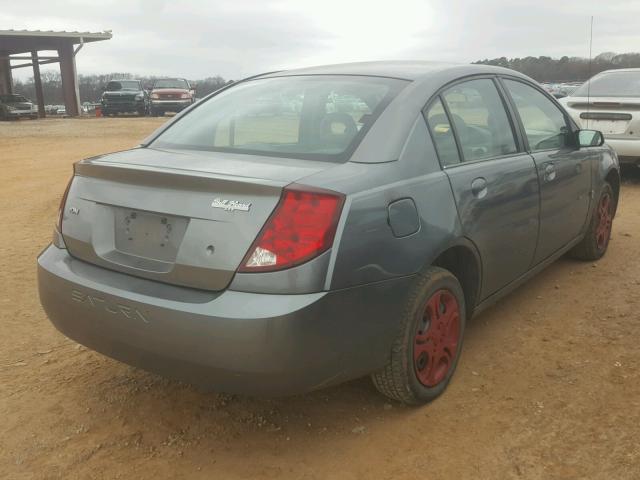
(179, 217)
(615, 117)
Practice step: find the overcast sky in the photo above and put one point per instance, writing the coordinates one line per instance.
(237, 38)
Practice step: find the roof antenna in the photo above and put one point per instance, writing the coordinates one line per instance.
(589, 79)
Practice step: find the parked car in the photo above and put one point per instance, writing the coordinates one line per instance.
(171, 95)
(284, 253)
(610, 102)
(125, 96)
(14, 106)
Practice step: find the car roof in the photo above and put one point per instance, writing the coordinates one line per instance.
(614, 70)
(403, 69)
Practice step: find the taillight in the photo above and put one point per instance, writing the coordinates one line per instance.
(63, 201)
(301, 227)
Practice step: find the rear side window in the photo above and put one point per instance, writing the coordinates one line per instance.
(442, 134)
(544, 124)
(480, 120)
(319, 117)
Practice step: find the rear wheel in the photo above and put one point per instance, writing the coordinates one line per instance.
(596, 240)
(425, 352)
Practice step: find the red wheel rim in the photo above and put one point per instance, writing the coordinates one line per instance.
(436, 339)
(605, 219)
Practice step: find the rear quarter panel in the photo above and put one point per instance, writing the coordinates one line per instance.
(605, 166)
(366, 249)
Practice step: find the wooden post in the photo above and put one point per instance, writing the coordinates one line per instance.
(38, 83)
(69, 79)
(6, 80)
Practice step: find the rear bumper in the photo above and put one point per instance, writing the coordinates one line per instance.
(628, 150)
(230, 341)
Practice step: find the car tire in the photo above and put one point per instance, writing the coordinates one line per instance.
(596, 240)
(425, 352)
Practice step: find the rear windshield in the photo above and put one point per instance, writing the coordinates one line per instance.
(315, 117)
(611, 84)
(12, 98)
(171, 83)
(114, 85)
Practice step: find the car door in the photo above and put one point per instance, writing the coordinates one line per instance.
(493, 179)
(564, 170)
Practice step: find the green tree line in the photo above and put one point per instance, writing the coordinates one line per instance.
(566, 69)
(542, 69)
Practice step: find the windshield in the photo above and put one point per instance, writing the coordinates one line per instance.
(114, 86)
(316, 117)
(171, 83)
(611, 84)
(12, 98)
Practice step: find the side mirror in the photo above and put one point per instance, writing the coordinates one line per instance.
(590, 138)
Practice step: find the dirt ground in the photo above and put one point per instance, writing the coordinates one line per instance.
(548, 386)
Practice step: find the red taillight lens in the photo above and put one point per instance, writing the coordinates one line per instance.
(300, 228)
(63, 201)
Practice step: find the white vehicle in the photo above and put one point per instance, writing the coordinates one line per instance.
(610, 102)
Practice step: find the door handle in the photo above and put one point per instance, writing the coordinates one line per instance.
(479, 187)
(549, 172)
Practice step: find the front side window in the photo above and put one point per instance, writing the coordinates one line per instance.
(480, 120)
(317, 117)
(544, 124)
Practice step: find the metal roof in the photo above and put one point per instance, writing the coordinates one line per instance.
(86, 36)
(19, 41)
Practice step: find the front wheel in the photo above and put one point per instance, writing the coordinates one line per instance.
(427, 347)
(596, 240)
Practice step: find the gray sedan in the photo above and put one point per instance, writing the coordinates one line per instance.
(302, 228)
